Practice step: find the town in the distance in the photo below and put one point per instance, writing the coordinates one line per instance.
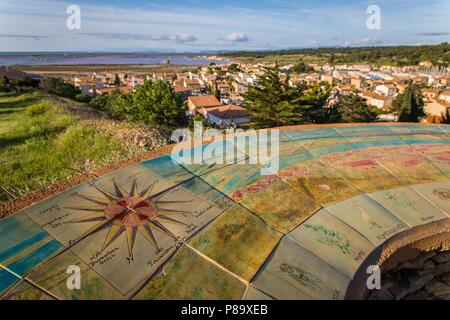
(218, 92)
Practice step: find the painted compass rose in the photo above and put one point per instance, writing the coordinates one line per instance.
(129, 212)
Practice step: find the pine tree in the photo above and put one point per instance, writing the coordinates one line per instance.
(216, 91)
(352, 108)
(271, 102)
(311, 100)
(409, 105)
(117, 81)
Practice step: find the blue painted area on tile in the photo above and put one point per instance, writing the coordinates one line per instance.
(16, 229)
(166, 168)
(28, 262)
(7, 279)
(22, 246)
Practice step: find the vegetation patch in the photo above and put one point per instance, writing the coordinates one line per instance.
(42, 143)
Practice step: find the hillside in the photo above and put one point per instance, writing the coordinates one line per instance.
(45, 139)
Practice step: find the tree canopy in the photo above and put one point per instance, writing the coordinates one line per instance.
(273, 102)
(302, 67)
(352, 108)
(382, 55)
(409, 105)
(59, 87)
(154, 103)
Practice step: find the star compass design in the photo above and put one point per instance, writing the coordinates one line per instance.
(129, 212)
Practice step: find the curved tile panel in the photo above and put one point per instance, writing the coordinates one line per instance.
(168, 229)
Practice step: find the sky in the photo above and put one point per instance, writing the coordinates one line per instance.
(210, 25)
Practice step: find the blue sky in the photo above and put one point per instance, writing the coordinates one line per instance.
(199, 25)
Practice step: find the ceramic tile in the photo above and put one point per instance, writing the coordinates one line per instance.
(333, 241)
(294, 273)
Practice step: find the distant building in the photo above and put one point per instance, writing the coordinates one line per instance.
(109, 90)
(327, 78)
(436, 110)
(194, 85)
(357, 83)
(426, 64)
(444, 96)
(445, 80)
(346, 89)
(377, 100)
(430, 94)
(227, 115)
(185, 92)
(387, 89)
(196, 103)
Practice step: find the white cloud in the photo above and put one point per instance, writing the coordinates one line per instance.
(184, 38)
(237, 37)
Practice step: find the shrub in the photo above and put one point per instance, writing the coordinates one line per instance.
(37, 109)
(99, 102)
(81, 97)
(59, 87)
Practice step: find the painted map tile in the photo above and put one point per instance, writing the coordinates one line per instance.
(319, 142)
(53, 278)
(7, 280)
(386, 147)
(354, 132)
(72, 215)
(185, 213)
(168, 169)
(438, 193)
(205, 191)
(437, 154)
(287, 153)
(309, 134)
(201, 280)
(369, 218)
(445, 128)
(294, 273)
(319, 182)
(417, 129)
(287, 207)
(333, 241)
(421, 134)
(26, 291)
(408, 205)
(24, 245)
(126, 258)
(255, 295)
(207, 158)
(407, 164)
(361, 171)
(237, 240)
(320, 148)
(233, 177)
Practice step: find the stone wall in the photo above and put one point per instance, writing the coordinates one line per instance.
(424, 277)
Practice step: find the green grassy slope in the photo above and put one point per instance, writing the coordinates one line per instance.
(41, 143)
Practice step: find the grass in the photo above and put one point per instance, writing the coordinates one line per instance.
(41, 143)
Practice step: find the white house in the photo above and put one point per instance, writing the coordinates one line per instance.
(387, 89)
(227, 115)
(376, 100)
(444, 96)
